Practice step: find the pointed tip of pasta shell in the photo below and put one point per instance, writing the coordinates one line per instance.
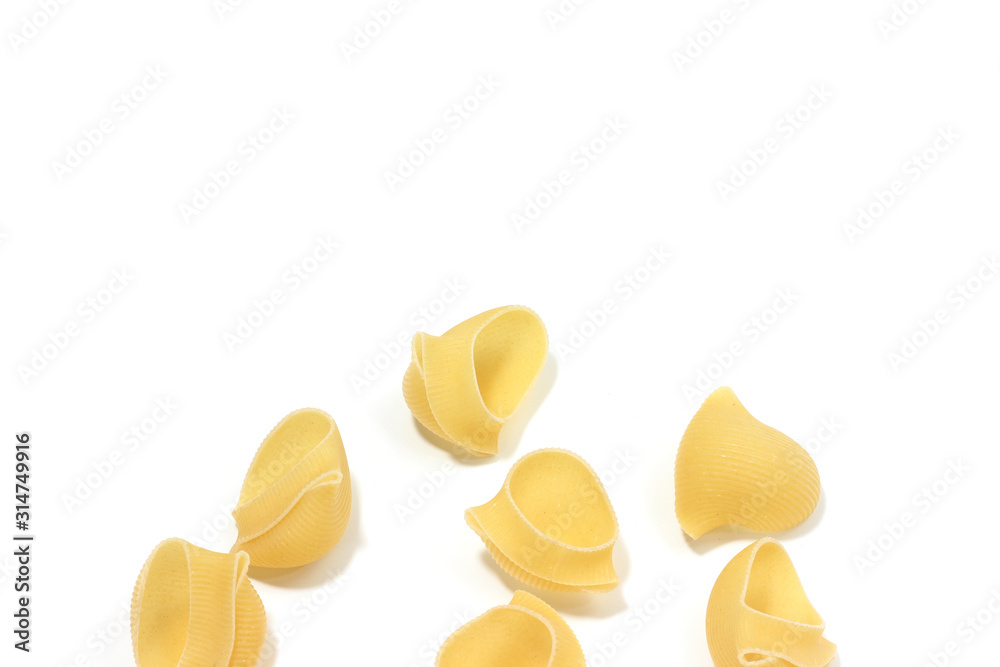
(296, 501)
(552, 525)
(464, 385)
(758, 610)
(731, 469)
(527, 632)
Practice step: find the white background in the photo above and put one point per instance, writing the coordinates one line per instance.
(395, 588)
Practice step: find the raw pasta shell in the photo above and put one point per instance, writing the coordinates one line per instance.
(551, 525)
(733, 470)
(196, 608)
(465, 384)
(526, 633)
(759, 615)
(296, 500)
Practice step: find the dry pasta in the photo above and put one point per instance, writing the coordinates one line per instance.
(733, 470)
(296, 498)
(526, 633)
(196, 608)
(551, 525)
(758, 613)
(465, 384)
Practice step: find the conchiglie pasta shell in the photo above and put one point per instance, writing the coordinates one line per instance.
(196, 608)
(464, 385)
(733, 470)
(526, 633)
(758, 614)
(296, 500)
(551, 526)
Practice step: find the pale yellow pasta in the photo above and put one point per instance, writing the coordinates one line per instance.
(196, 608)
(759, 615)
(733, 470)
(465, 384)
(551, 526)
(525, 633)
(296, 500)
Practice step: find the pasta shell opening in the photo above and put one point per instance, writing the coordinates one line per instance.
(773, 586)
(465, 384)
(527, 633)
(196, 607)
(759, 614)
(508, 355)
(295, 503)
(731, 469)
(552, 474)
(551, 525)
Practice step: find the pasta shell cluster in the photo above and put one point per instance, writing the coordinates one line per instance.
(526, 633)
(296, 499)
(197, 608)
(733, 470)
(194, 607)
(551, 526)
(758, 613)
(465, 384)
